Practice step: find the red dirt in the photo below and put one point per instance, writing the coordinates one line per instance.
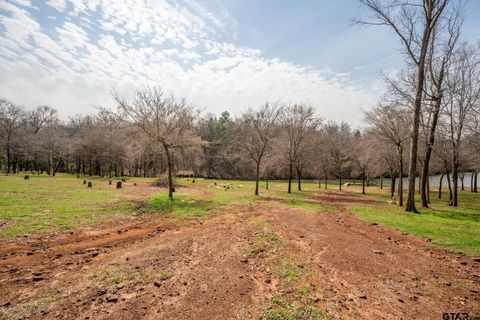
(202, 269)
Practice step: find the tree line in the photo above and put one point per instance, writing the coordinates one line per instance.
(428, 122)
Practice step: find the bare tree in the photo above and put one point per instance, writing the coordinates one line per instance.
(414, 24)
(464, 90)
(297, 121)
(392, 123)
(11, 119)
(257, 129)
(164, 119)
(438, 65)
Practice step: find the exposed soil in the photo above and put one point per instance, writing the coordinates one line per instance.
(214, 268)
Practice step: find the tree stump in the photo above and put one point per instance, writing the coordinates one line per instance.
(110, 182)
(193, 181)
(26, 177)
(84, 181)
(90, 184)
(119, 184)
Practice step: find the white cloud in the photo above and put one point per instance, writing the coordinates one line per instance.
(187, 49)
(59, 5)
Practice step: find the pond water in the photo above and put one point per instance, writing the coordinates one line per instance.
(434, 181)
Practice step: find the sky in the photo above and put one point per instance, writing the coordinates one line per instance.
(222, 55)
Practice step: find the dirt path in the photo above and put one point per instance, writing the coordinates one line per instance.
(229, 266)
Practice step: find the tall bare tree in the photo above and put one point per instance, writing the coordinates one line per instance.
(464, 90)
(392, 123)
(413, 23)
(164, 119)
(438, 65)
(297, 121)
(257, 129)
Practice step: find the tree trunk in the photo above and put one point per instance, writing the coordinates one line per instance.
(299, 174)
(392, 185)
(169, 170)
(381, 182)
(8, 158)
(290, 173)
(475, 182)
(431, 135)
(428, 189)
(471, 181)
(400, 176)
(363, 183)
(440, 186)
(340, 180)
(454, 202)
(326, 181)
(462, 177)
(416, 114)
(257, 177)
(450, 194)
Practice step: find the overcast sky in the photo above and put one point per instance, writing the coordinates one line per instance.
(223, 55)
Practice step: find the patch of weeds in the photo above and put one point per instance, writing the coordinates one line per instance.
(116, 275)
(165, 275)
(290, 269)
(264, 241)
(356, 314)
(282, 310)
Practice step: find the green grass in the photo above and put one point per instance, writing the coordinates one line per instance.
(455, 228)
(282, 310)
(181, 205)
(44, 203)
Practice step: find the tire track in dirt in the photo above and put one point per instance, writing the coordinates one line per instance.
(200, 269)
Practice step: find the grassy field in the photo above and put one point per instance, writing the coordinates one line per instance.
(45, 204)
(456, 228)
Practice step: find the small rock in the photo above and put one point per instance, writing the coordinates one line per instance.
(302, 236)
(38, 278)
(203, 288)
(268, 281)
(374, 224)
(476, 259)
(94, 254)
(401, 300)
(112, 298)
(157, 284)
(101, 292)
(244, 260)
(377, 251)
(317, 297)
(463, 263)
(120, 286)
(29, 253)
(429, 240)
(363, 296)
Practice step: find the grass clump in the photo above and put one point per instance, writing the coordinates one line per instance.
(283, 310)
